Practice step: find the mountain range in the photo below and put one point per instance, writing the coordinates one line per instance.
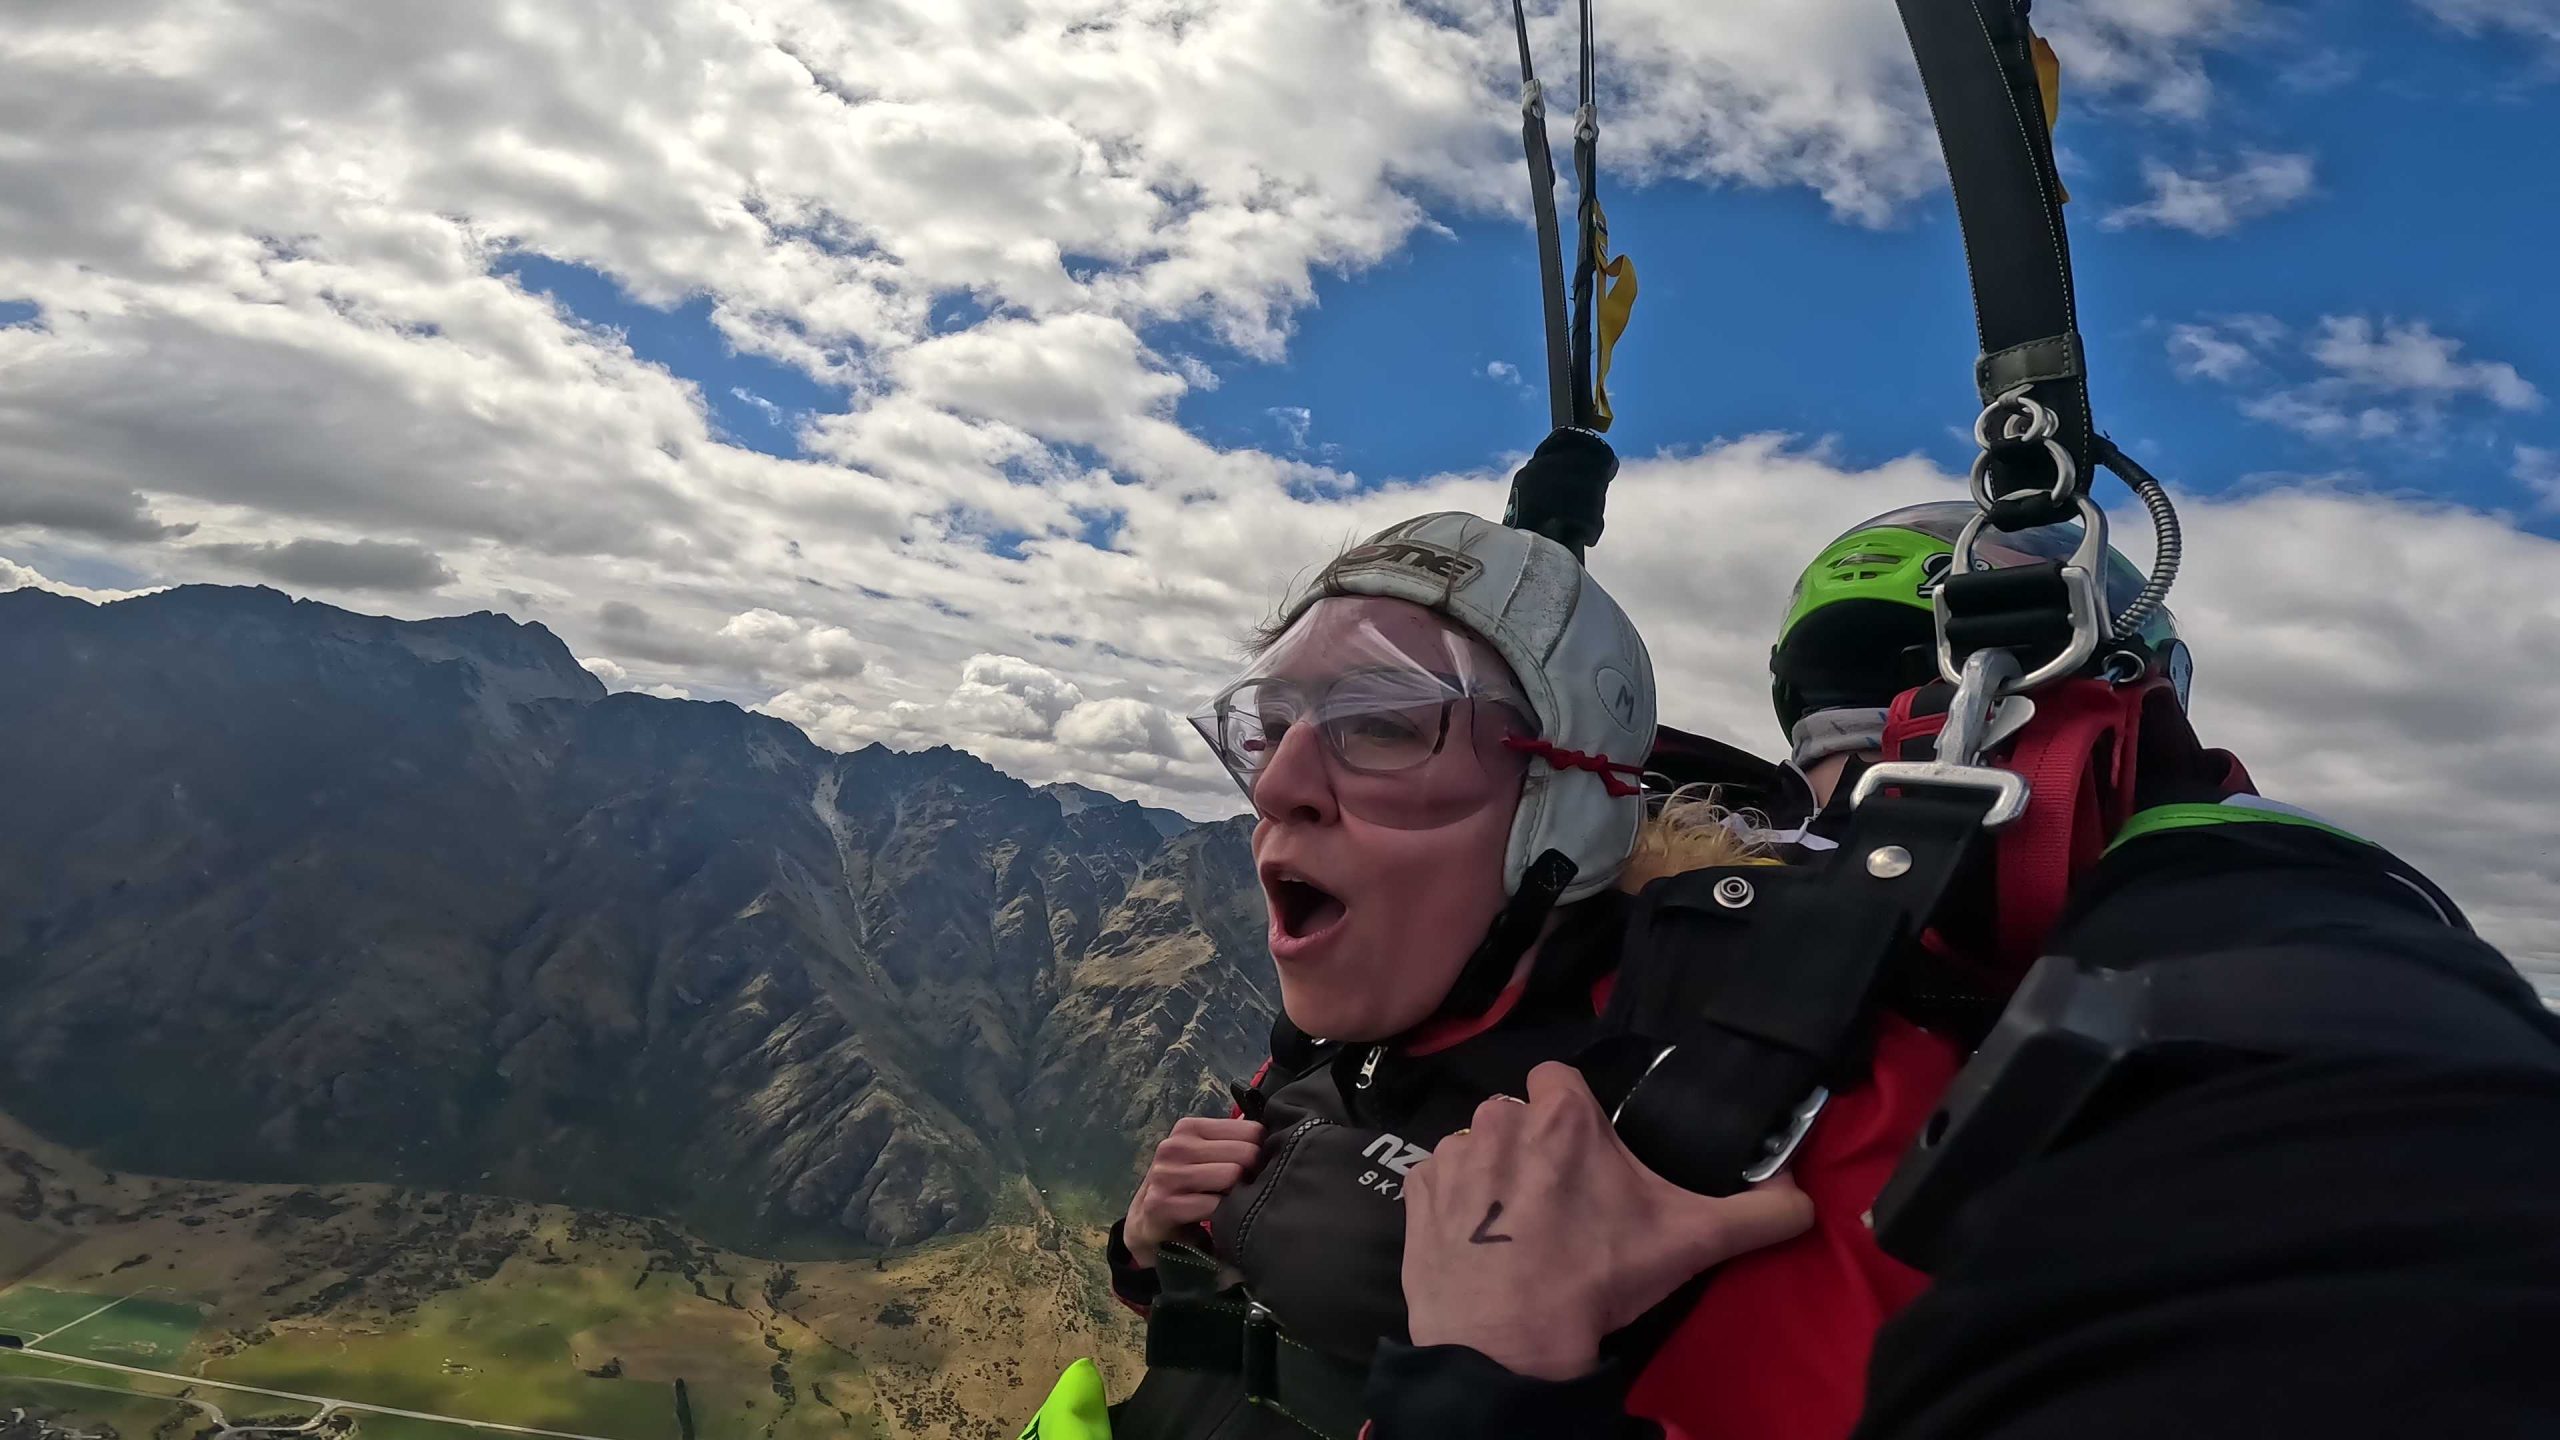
(289, 893)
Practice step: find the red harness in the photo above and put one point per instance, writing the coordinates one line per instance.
(2077, 757)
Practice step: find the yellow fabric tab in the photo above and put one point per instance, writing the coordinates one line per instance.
(2049, 84)
(1617, 303)
(1077, 1408)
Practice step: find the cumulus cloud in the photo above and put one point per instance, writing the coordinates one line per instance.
(1008, 696)
(2217, 198)
(611, 673)
(2350, 377)
(337, 565)
(777, 644)
(277, 303)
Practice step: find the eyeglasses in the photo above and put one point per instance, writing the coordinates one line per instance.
(1403, 748)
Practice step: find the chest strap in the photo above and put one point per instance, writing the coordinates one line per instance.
(1199, 1328)
(1746, 996)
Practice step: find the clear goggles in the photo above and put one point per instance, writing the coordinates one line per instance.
(1406, 721)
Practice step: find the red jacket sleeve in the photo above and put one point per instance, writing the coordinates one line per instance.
(1777, 1347)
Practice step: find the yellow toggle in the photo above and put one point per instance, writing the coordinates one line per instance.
(2049, 84)
(1617, 303)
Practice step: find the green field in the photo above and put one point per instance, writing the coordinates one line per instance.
(31, 1310)
(147, 1332)
(496, 1351)
(133, 1414)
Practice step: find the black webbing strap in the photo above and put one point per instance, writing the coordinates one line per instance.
(1195, 1326)
(1586, 261)
(1718, 1047)
(2025, 609)
(1978, 64)
(1542, 210)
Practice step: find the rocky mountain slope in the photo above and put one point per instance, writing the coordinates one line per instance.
(293, 894)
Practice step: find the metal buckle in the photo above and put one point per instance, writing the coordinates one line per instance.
(1260, 1363)
(1970, 728)
(1780, 1148)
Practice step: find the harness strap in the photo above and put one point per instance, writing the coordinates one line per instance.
(2077, 755)
(1199, 1328)
(1713, 1073)
(1978, 65)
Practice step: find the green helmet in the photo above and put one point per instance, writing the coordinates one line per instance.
(1860, 629)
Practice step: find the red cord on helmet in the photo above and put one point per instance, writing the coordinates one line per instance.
(1601, 765)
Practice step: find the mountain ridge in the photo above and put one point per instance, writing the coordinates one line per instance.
(439, 909)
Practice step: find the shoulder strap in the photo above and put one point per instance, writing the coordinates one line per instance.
(2077, 756)
(1745, 996)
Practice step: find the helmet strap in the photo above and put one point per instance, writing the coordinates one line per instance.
(1523, 919)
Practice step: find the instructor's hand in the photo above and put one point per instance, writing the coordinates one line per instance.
(1193, 1170)
(1534, 1233)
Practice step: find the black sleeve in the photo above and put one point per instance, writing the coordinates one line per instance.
(2361, 1241)
(1135, 1284)
(2331, 1248)
(1449, 1392)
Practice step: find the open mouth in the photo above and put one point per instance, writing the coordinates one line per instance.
(1300, 908)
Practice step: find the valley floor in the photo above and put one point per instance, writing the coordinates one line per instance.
(176, 1309)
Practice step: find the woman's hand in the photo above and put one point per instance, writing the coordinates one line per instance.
(1534, 1233)
(1194, 1168)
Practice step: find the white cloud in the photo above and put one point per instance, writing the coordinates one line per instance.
(2538, 470)
(2532, 19)
(790, 645)
(2410, 358)
(611, 673)
(276, 307)
(771, 412)
(2350, 378)
(1294, 421)
(1504, 371)
(2217, 199)
(2202, 352)
(14, 576)
(1012, 697)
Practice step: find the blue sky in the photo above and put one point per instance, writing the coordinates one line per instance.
(2435, 201)
(2429, 207)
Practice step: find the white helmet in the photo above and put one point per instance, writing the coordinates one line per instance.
(1575, 653)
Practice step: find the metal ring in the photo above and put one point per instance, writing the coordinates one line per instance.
(2017, 405)
(1733, 892)
(2066, 477)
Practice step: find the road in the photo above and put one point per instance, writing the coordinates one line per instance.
(326, 1403)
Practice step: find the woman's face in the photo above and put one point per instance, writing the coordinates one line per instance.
(1381, 884)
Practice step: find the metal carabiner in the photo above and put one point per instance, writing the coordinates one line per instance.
(1988, 675)
(2084, 586)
